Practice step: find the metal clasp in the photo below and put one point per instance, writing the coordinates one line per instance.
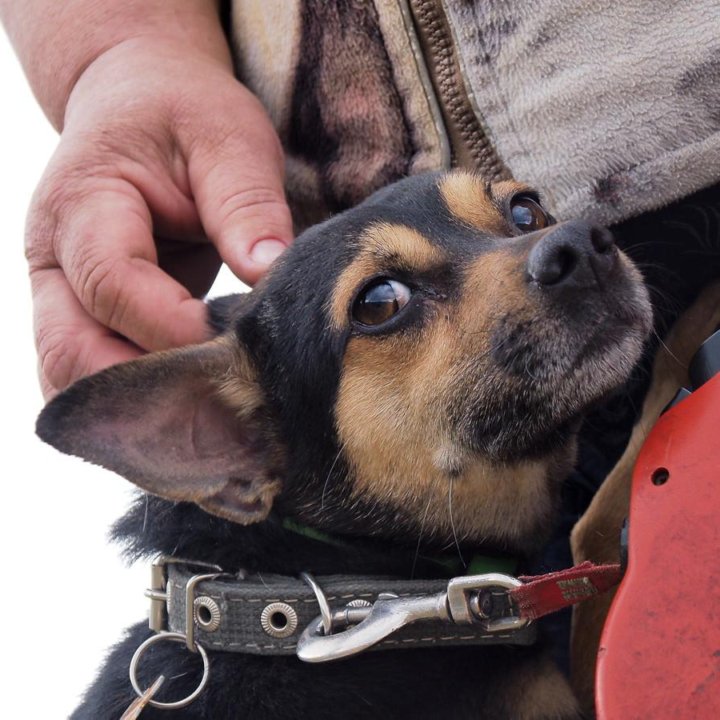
(464, 599)
(459, 604)
(159, 594)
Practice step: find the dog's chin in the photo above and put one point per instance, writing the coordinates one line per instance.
(599, 365)
(523, 437)
(540, 408)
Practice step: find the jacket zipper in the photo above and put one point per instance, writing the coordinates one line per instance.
(470, 144)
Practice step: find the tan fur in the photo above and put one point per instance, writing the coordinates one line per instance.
(381, 243)
(496, 284)
(238, 386)
(467, 198)
(596, 535)
(393, 399)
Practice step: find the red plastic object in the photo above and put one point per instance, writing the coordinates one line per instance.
(660, 650)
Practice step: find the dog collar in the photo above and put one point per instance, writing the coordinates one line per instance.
(206, 609)
(282, 615)
(267, 614)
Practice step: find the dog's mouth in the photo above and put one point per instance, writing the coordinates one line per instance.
(551, 366)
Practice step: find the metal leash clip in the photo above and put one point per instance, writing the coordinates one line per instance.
(351, 630)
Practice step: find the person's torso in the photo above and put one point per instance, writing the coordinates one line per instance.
(608, 109)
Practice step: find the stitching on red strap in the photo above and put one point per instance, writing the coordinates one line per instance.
(544, 594)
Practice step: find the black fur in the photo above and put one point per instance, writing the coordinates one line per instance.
(458, 683)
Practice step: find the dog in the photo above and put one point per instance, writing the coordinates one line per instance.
(409, 378)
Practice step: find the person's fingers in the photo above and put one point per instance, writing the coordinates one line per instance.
(70, 343)
(236, 174)
(105, 247)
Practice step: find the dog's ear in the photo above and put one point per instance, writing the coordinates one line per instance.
(185, 424)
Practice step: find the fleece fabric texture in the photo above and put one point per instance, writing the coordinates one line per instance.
(610, 109)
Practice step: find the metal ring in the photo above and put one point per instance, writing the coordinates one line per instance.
(359, 603)
(212, 622)
(271, 627)
(325, 612)
(173, 637)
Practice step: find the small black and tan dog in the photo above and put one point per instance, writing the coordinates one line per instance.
(410, 377)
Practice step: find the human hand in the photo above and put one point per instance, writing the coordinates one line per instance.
(166, 165)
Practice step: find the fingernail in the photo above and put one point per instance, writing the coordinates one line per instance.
(265, 251)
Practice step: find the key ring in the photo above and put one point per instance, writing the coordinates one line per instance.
(173, 637)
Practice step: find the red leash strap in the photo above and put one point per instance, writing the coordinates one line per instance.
(544, 594)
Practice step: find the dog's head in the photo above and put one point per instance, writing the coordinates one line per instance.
(417, 364)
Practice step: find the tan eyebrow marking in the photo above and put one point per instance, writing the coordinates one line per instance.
(467, 198)
(382, 243)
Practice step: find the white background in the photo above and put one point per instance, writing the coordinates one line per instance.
(66, 594)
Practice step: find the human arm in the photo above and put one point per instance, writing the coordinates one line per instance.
(161, 148)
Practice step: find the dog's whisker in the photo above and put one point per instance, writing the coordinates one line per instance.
(420, 537)
(177, 677)
(631, 402)
(636, 246)
(260, 578)
(145, 516)
(452, 523)
(329, 475)
(659, 271)
(527, 370)
(669, 351)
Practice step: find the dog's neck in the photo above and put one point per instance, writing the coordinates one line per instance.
(483, 507)
(155, 526)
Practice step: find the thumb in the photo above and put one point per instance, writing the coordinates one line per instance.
(237, 183)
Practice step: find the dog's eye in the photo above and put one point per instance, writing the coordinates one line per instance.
(527, 214)
(379, 301)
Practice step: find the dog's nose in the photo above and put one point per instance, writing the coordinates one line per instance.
(573, 254)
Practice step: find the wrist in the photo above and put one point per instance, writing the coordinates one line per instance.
(59, 42)
(145, 75)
